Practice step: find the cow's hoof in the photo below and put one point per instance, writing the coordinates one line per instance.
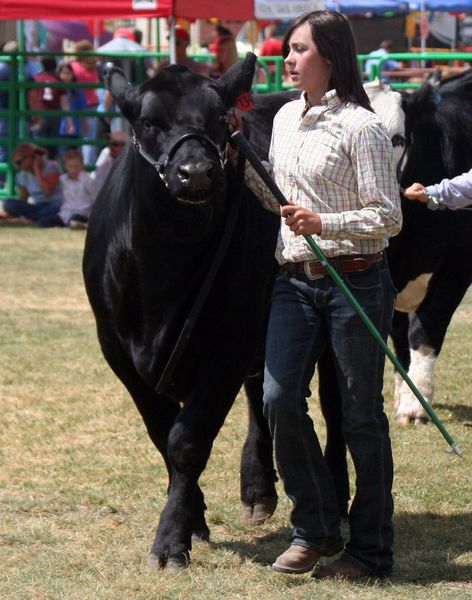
(403, 419)
(260, 511)
(180, 561)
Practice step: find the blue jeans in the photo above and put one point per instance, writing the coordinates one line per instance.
(305, 316)
(89, 152)
(43, 214)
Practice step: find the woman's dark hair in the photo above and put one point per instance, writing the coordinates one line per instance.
(67, 65)
(333, 37)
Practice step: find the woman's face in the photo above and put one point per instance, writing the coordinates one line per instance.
(308, 70)
(66, 74)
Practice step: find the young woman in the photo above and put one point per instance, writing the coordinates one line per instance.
(333, 159)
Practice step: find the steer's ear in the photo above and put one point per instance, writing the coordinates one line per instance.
(118, 86)
(238, 79)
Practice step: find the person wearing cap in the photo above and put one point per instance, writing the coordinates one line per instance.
(38, 185)
(182, 41)
(117, 140)
(385, 48)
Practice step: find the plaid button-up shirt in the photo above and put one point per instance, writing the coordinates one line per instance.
(335, 159)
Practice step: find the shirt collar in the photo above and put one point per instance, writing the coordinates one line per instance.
(329, 100)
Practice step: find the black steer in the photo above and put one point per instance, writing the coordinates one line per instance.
(156, 229)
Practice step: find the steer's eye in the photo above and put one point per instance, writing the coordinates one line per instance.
(147, 123)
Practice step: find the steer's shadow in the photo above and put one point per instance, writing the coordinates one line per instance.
(460, 412)
(428, 548)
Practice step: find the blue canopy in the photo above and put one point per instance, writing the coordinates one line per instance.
(353, 7)
(458, 6)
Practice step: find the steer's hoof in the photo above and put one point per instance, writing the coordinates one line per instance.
(403, 419)
(180, 561)
(260, 511)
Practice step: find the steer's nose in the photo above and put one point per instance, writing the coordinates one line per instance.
(196, 176)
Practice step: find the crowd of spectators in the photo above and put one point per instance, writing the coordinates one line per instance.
(59, 174)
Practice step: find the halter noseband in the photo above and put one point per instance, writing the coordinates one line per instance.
(162, 163)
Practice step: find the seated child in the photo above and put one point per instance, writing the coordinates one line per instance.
(79, 191)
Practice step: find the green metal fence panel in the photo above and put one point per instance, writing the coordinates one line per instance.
(18, 112)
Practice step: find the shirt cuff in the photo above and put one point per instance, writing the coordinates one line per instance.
(330, 225)
(432, 190)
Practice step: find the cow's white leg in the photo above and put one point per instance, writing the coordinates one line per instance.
(397, 390)
(421, 372)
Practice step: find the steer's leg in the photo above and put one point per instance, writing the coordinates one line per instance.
(159, 414)
(258, 494)
(188, 449)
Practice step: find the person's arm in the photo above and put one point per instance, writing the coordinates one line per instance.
(379, 214)
(108, 105)
(22, 192)
(90, 188)
(453, 193)
(47, 181)
(251, 178)
(65, 106)
(259, 188)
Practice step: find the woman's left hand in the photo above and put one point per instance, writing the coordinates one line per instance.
(301, 221)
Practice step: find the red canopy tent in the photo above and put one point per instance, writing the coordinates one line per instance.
(112, 9)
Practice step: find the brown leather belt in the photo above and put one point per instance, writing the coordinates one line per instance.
(342, 264)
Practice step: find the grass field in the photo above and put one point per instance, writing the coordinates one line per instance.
(81, 486)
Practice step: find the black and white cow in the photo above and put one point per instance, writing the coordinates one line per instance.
(178, 248)
(430, 259)
(434, 248)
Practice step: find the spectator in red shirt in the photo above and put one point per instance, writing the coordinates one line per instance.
(271, 46)
(85, 71)
(47, 98)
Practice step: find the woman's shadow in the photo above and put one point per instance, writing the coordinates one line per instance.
(428, 547)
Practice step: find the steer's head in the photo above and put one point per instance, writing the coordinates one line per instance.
(180, 127)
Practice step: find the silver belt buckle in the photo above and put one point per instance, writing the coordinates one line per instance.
(306, 267)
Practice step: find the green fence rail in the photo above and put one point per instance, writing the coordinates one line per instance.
(269, 78)
(414, 57)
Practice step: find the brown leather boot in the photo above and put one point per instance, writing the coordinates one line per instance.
(340, 569)
(297, 559)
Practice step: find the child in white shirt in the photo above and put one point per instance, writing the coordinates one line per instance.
(79, 191)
